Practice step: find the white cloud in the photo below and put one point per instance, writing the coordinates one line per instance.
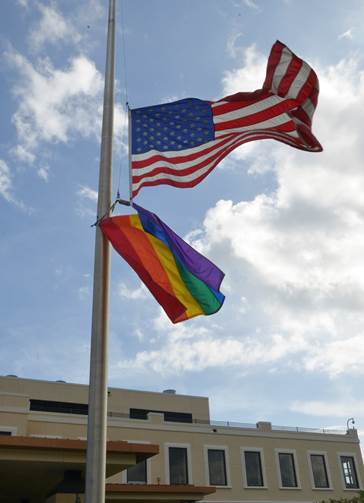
(249, 77)
(55, 104)
(232, 46)
(5, 181)
(52, 28)
(348, 34)
(132, 294)
(252, 4)
(43, 173)
(292, 257)
(23, 3)
(6, 187)
(87, 193)
(337, 408)
(87, 200)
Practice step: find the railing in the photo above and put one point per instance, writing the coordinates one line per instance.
(309, 430)
(249, 426)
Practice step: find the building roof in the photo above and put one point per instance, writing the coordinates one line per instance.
(158, 493)
(34, 467)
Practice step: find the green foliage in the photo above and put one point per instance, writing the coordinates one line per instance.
(355, 499)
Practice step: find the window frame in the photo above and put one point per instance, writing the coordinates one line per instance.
(227, 465)
(13, 430)
(124, 478)
(358, 476)
(296, 467)
(189, 461)
(262, 462)
(327, 466)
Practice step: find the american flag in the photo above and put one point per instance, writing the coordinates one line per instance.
(180, 143)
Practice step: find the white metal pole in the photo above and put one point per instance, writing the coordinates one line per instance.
(97, 404)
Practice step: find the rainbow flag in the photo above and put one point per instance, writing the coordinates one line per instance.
(184, 282)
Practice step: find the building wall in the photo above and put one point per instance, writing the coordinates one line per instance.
(15, 395)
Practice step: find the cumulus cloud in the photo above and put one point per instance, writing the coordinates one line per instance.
(292, 256)
(52, 28)
(56, 105)
(132, 294)
(232, 45)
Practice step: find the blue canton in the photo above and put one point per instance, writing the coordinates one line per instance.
(173, 126)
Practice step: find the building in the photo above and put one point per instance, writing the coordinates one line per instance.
(164, 447)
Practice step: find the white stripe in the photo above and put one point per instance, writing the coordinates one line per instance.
(196, 174)
(191, 163)
(273, 122)
(248, 110)
(183, 165)
(173, 153)
(218, 103)
(299, 81)
(308, 107)
(281, 68)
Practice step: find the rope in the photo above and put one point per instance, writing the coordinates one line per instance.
(125, 73)
(111, 209)
(123, 29)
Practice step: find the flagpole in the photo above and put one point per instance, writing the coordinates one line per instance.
(97, 403)
(129, 158)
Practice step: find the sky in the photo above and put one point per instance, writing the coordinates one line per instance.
(285, 226)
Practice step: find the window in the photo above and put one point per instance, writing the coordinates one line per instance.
(287, 469)
(63, 407)
(178, 468)
(349, 472)
(217, 467)
(137, 474)
(319, 471)
(176, 417)
(253, 469)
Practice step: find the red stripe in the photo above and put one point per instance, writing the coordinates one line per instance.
(179, 158)
(255, 136)
(134, 246)
(273, 60)
(308, 87)
(314, 96)
(287, 127)
(176, 170)
(267, 113)
(302, 116)
(242, 100)
(291, 73)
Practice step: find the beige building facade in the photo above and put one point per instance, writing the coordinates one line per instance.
(245, 463)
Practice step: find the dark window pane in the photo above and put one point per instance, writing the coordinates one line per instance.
(137, 473)
(63, 407)
(349, 471)
(319, 471)
(178, 472)
(288, 472)
(253, 467)
(217, 467)
(177, 417)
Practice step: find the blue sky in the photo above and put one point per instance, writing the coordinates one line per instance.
(285, 226)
